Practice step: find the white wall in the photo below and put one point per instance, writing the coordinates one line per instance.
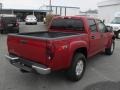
(108, 12)
(94, 15)
(72, 11)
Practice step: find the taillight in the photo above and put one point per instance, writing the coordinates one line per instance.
(17, 24)
(1, 23)
(50, 50)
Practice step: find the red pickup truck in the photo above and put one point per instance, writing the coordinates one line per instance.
(66, 46)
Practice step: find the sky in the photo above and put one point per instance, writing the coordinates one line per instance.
(36, 4)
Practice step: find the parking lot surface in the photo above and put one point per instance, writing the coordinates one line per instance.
(102, 73)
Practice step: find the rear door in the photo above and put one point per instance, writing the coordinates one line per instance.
(95, 37)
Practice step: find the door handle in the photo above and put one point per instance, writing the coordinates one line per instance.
(93, 37)
(23, 41)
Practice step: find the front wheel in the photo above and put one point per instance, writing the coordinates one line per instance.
(77, 68)
(109, 51)
(23, 71)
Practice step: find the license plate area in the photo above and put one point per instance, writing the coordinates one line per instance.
(10, 25)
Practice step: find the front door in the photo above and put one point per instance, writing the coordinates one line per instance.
(104, 35)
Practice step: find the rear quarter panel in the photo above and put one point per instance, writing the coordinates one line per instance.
(65, 48)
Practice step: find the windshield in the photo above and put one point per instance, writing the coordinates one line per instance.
(116, 20)
(70, 24)
(31, 16)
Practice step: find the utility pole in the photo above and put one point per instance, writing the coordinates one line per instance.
(50, 5)
(0, 8)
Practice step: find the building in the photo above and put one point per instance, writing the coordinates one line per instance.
(40, 13)
(22, 13)
(63, 10)
(90, 13)
(107, 9)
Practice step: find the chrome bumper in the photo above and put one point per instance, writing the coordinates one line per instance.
(28, 65)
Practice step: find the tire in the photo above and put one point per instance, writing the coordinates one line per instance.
(16, 31)
(118, 35)
(74, 73)
(24, 71)
(3, 32)
(109, 51)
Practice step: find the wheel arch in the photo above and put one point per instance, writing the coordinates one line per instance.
(82, 50)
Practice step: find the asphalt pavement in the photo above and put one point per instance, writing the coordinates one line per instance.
(102, 72)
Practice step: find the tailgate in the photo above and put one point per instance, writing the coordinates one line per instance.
(9, 21)
(27, 48)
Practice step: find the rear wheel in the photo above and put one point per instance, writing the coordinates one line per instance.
(17, 31)
(118, 35)
(3, 31)
(77, 68)
(109, 51)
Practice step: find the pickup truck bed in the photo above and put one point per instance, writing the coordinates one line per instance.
(39, 42)
(48, 34)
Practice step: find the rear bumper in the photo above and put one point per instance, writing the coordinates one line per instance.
(10, 28)
(28, 65)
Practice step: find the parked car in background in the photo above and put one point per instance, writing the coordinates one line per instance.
(67, 45)
(30, 19)
(115, 24)
(8, 23)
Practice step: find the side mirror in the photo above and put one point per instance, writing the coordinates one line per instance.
(109, 29)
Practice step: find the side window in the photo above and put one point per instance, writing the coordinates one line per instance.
(101, 26)
(92, 25)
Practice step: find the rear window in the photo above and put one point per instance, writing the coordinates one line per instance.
(31, 16)
(68, 24)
